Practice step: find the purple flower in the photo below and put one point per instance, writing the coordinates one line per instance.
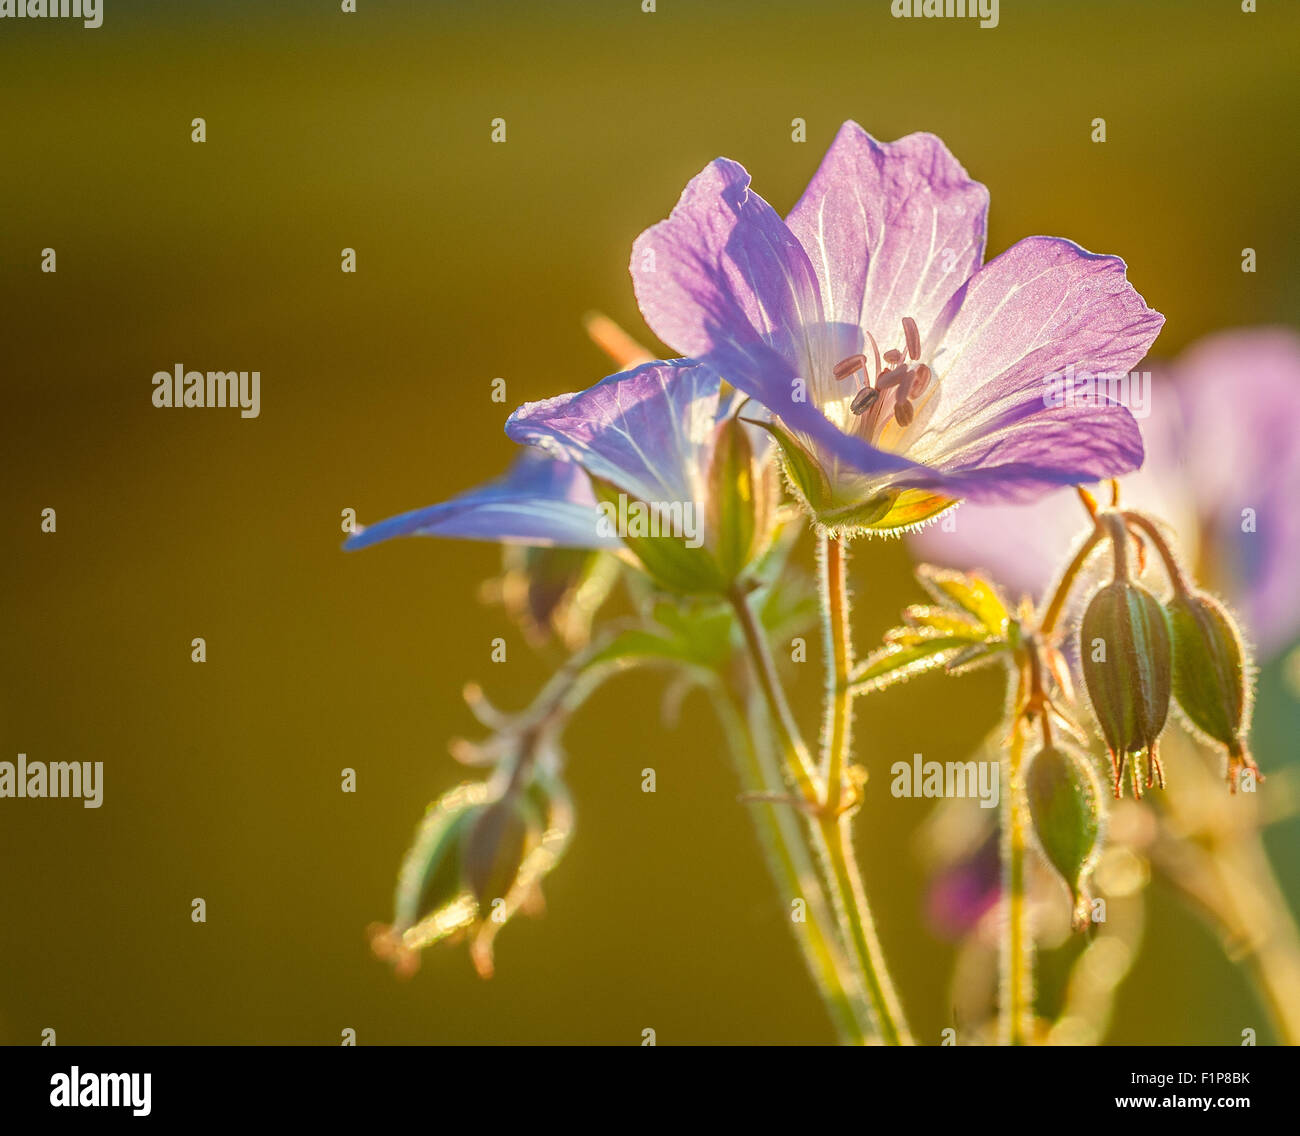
(904, 374)
(626, 464)
(1222, 468)
(539, 501)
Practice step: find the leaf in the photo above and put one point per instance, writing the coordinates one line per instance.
(896, 663)
(945, 620)
(807, 475)
(971, 593)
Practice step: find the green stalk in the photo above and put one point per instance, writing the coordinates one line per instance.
(793, 871)
(1017, 948)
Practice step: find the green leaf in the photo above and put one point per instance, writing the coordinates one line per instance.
(971, 593)
(807, 476)
(943, 620)
(895, 662)
(673, 563)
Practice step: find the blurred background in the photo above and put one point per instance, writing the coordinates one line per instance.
(475, 261)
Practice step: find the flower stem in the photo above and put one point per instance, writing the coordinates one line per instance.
(798, 763)
(1172, 567)
(1017, 949)
(834, 818)
(831, 839)
(851, 902)
(794, 873)
(832, 575)
(1057, 604)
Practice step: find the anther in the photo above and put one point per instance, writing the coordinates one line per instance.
(896, 376)
(920, 379)
(893, 357)
(864, 400)
(850, 366)
(903, 412)
(913, 337)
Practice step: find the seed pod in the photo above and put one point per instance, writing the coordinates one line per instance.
(1126, 655)
(1065, 804)
(1211, 675)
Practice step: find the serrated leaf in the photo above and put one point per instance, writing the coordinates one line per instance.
(976, 656)
(945, 620)
(896, 663)
(971, 593)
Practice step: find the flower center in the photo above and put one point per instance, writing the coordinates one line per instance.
(889, 391)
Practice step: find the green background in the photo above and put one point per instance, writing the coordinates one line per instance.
(476, 260)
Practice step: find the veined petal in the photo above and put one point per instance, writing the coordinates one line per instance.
(645, 431)
(892, 229)
(1045, 449)
(724, 268)
(539, 501)
(1040, 318)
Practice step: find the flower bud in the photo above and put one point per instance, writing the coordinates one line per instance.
(1211, 675)
(1065, 804)
(494, 845)
(1126, 656)
(740, 494)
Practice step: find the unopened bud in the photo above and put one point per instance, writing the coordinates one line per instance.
(1065, 804)
(1126, 657)
(494, 846)
(1212, 675)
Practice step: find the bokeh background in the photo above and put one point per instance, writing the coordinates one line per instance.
(371, 131)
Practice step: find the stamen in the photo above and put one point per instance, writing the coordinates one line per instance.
(891, 378)
(874, 350)
(903, 412)
(920, 380)
(913, 337)
(863, 400)
(893, 357)
(850, 366)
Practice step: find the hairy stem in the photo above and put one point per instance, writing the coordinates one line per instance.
(831, 840)
(798, 764)
(1017, 948)
(794, 873)
(1056, 605)
(832, 575)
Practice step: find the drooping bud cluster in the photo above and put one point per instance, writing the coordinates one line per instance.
(1138, 654)
(478, 857)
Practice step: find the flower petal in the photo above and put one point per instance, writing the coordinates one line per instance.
(1043, 310)
(723, 277)
(646, 431)
(1041, 451)
(723, 268)
(539, 501)
(892, 229)
(1240, 394)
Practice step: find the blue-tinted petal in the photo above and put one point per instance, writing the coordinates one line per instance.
(647, 431)
(539, 501)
